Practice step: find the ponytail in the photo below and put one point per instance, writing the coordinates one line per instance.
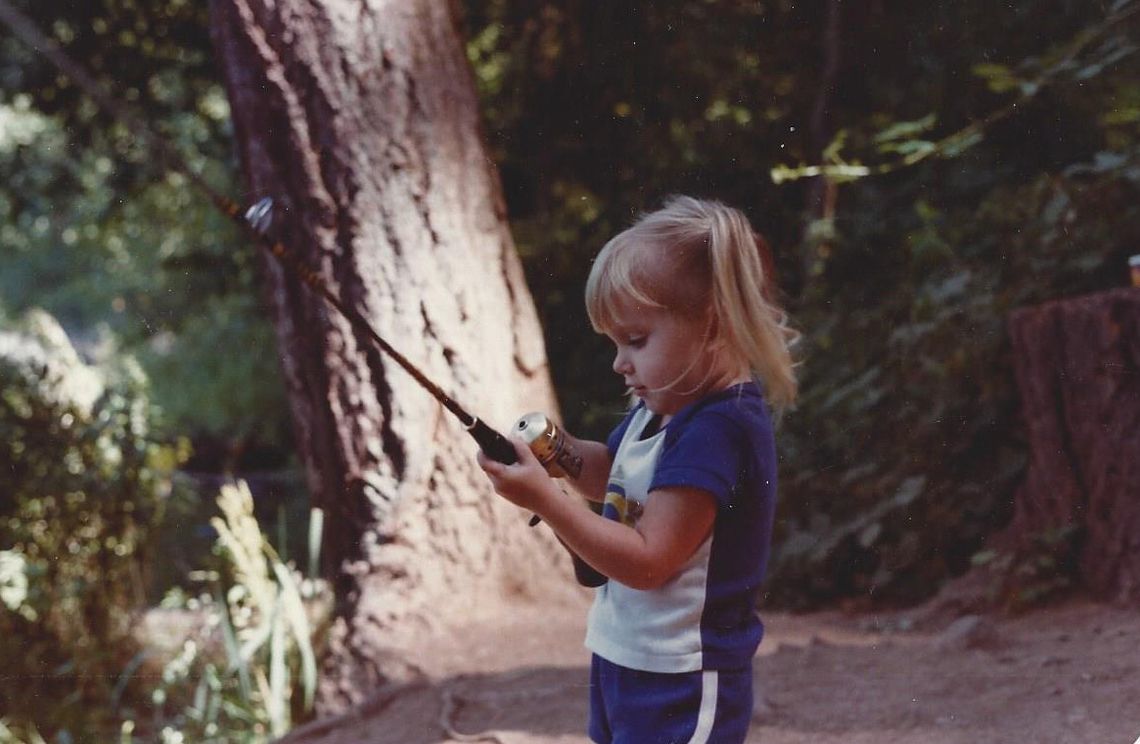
(750, 321)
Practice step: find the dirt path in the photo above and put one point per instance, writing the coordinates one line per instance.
(1068, 674)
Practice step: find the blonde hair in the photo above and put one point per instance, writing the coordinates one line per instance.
(694, 256)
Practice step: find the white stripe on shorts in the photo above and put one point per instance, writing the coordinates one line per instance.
(707, 714)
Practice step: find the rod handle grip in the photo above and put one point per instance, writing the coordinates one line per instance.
(494, 445)
(584, 573)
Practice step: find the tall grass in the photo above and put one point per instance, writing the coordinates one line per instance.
(249, 673)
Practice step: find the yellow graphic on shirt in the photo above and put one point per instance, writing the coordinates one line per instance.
(620, 508)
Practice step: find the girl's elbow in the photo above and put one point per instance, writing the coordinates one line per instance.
(650, 578)
(639, 581)
(653, 583)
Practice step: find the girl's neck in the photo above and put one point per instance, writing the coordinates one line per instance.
(729, 374)
(719, 386)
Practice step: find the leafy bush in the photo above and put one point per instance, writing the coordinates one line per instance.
(907, 446)
(83, 485)
(150, 269)
(1045, 566)
(81, 482)
(247, 669)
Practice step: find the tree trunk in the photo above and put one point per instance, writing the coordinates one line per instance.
(822, 191)
(361, 119)
(1078, 370)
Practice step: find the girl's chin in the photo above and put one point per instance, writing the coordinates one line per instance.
(655, 405)
(659, 403)
(641, 396)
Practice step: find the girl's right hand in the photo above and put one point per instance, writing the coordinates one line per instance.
(525, 483)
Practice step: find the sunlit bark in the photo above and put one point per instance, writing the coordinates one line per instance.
(361, 119)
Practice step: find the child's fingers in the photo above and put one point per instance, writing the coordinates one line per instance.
(490, 467)
(523, 456)
(523, 450)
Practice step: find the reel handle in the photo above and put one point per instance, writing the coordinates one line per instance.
(549, 444)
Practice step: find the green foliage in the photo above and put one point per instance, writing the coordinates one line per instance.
(913, 378)
(237, 396)
(81, 481)
(154, 55)
(1045, 567)
(1094, 49)
(128, 257)
(234, 663)
(84, 484)
(248, 671)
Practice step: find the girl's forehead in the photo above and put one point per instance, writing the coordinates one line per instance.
(629, 312)
(636, 320)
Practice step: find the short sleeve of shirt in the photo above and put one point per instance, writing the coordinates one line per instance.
(618, 433)
(708, 454)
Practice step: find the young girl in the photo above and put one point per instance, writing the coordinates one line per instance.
(688, 478)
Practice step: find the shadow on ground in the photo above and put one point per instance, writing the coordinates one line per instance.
(526, 704)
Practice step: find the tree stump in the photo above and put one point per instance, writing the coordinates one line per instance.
(1077, 363)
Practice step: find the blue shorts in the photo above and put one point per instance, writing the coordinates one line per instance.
(628, 706)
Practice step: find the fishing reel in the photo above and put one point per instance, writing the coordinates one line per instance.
(549, 445)
(552, 449)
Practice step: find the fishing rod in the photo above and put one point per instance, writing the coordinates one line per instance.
(544, 438)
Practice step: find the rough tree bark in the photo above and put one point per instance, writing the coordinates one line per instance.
(361, 119)
(1078, 370)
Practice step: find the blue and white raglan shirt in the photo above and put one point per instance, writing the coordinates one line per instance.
(705, 617)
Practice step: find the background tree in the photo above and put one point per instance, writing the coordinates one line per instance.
(364, 125)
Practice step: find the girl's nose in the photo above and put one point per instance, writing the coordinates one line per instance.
(621, 365)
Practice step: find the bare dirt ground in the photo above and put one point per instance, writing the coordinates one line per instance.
(1068, 674)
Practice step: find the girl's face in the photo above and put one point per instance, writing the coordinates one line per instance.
(665, 359)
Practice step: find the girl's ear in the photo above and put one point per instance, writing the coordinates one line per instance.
(719, 345)
(713, 338)
(714, 328)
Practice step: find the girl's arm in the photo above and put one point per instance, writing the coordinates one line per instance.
(675, 523)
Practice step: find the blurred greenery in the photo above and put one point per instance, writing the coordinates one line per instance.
(128, 257)
(247, 670)
(85, 491)
(82, 482)
(984, 157)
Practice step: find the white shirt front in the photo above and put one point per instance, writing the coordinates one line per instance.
(657, 630)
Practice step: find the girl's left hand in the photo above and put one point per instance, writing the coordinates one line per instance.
(526, 483)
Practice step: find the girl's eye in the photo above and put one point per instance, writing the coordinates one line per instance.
(636, 341)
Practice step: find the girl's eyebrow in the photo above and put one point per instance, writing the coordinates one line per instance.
(627, 330)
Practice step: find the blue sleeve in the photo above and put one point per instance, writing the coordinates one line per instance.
(616, 435)
(708, 454)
